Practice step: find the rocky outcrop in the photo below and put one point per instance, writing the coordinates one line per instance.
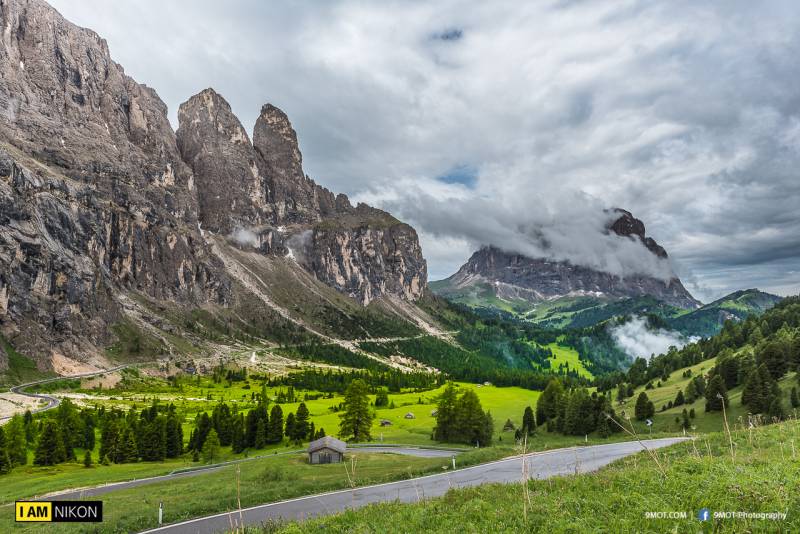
(259, 195)
(101, 203)
(368, 253)
(517, 277)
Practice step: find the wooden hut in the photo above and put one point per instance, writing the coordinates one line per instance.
(326, 450)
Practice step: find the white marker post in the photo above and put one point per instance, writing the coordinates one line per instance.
(454, 463)
(160, 513)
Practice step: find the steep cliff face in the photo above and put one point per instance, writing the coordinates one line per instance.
(94, 197)
(259, 196)
(104, 208)
(517, 277)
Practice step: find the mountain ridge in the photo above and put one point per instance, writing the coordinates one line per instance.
(515, 277)
(108, 217)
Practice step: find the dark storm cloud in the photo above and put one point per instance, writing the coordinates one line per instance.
(685, 113)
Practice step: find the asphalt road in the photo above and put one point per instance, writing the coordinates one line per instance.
(85, 493)
(52, 402)
(540, 465)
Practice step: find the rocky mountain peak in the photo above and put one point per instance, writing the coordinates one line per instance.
(103, 207)
(232, 193)
(516, 277)
(629, 226)
(276, 141)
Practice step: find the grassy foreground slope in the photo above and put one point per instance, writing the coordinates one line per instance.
(764, 476)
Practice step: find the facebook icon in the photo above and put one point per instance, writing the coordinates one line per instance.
(703, 514)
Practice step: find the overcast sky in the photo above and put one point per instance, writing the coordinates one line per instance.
(496, 121)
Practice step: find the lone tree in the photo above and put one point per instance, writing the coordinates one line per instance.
(356, 420)
(644, 407)
(528, 422)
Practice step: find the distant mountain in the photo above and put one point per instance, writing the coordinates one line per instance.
(513, 282)
(708, 320)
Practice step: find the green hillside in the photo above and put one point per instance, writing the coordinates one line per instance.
(709, 319)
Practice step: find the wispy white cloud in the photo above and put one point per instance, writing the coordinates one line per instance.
(685, 113)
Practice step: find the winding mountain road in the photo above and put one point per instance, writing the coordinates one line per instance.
(540, 466)
(53, 402)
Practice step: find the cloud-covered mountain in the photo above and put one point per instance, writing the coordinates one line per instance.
(512, 276)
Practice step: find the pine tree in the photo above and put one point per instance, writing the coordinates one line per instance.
(238, 441)
(275, 425)
(173, 435)
(211, 446)
(528, 422)
(5, 462)
(290, 427)
(152, 438)
(691, 414)
(87, 459)
(551, 403)
(88, 433)
(69, 427)
(472, 424)
(621, 393)
(679, 399)
(716, 394)
(445, 415)
(109, 437)
(752, 392)
(128, 451)
(356, 421)
(261, 435)
(644, 408)
(202, 426)
(774, 357)
(691, 392)
(16, 441)
(221, 420)
(50, 448)
(301, 424)
(728, 368)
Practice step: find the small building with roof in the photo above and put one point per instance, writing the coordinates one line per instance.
(326, 450)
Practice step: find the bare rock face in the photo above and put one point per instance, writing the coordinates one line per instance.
(296, 197)
(513, 276)
(94, 197)
(274, 207)
(101, 203)
(368, 253)
(232, 193)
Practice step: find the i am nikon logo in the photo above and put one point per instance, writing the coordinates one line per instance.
(59, 511)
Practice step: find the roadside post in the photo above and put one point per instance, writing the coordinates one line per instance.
(454, 462)
(160, 512)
